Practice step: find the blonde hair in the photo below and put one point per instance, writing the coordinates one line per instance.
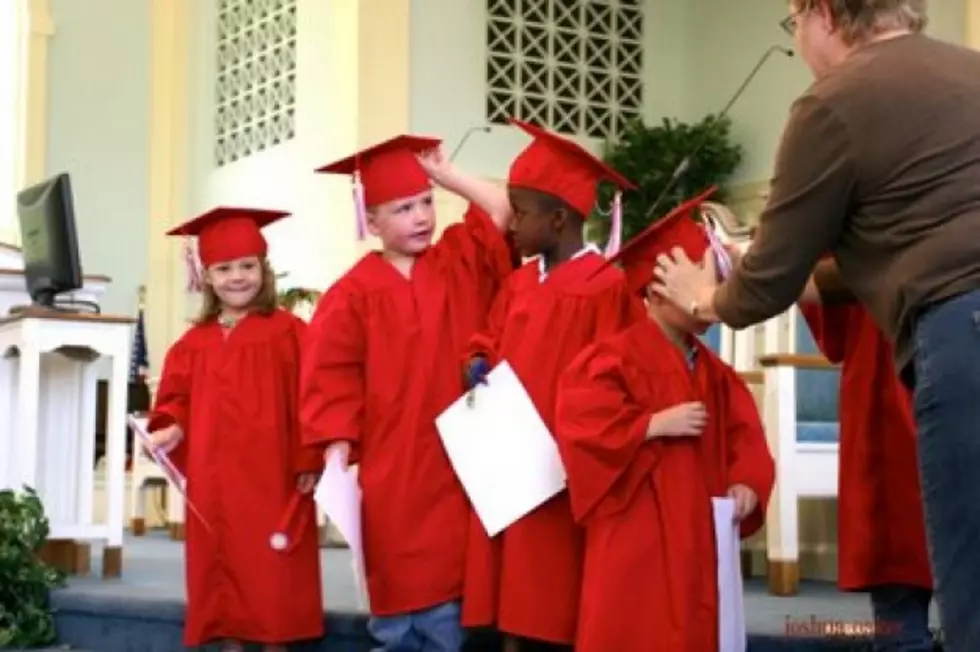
(861, 20)
(266, 301)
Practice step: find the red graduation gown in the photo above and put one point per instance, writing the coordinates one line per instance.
(236, 400)
(650, 577)
(880, 532)
(527, 580)
(381, 363)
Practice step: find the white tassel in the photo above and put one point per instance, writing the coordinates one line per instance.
(195, 278)
(615, 241)
(360, 210)
(723, 262)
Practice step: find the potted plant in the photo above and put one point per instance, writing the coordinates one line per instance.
(298, 300)
(26, 582)
(294, 299)
(649, 156)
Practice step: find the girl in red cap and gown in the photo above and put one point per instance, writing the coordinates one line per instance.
(382, 362)
(227, 411)
(652, 425)
(881, 529)
(527, 580)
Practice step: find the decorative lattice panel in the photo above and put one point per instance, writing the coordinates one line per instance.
(256, 80)
(573, 65)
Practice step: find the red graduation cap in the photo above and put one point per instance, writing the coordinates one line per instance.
(676, 229)
(385, 172)
(564, 169)
(227, 233)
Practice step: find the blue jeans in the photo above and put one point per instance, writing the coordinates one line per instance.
(431, 630)
(947, 412)
(901, 616)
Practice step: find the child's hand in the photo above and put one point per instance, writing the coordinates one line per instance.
(306, 482)
(436, 166)
(476, 372)
(683, 420)
(342, 450)
(745, 500)
(166, 439)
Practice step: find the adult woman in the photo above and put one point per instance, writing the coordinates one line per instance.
(880, 164)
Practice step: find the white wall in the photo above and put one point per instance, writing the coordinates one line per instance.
(98, 123)
(729, 39)
(448, 73)
(305, 246)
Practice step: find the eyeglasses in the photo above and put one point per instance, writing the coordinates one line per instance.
(789, 23)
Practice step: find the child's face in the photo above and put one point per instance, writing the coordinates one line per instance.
(674, 316)
(236, 282)
(535, 229)
(404, 226)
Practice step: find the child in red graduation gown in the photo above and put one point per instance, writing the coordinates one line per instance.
(227, 409)
(547, 312)
(382, 361)
(881, 532)
(651, 426)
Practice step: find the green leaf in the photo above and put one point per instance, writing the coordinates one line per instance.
(648, 156)
(25, 582)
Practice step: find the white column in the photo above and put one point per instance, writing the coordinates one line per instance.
(169, 142)
(11, 61)
(115, 473)
(972, 20)
(28, 409)
(25, 28)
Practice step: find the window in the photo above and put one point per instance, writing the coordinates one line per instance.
(575, 66)
(256, 77)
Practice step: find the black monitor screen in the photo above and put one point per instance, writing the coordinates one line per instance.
(49, 240)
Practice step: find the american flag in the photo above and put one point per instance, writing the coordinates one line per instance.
(139, 365)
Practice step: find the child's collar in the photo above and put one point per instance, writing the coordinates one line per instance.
(589, 248)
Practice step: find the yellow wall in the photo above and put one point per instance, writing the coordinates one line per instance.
(972, 23)
(31, 100)
(364, 52)
(366, 47)
(352, 49)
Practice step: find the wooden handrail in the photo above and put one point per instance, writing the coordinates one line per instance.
(752, 377)
(797, 361)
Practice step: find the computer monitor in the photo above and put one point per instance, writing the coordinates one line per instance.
(49, 240)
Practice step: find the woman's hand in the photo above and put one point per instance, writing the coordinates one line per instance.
(689, 285)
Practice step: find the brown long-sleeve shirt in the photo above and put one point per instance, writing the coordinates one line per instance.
(880, 164)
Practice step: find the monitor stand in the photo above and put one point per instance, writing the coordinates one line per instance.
(45, 304)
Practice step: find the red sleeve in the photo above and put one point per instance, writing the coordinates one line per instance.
(831, 327)
(486, 342)
(479, 247)
(172, 403)
(331, 393)
(749, 461)
(621, 308)
(303, 459)
(600, 433)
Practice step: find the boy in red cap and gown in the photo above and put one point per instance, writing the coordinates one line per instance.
(227, 410)
(547, 312)
(652, 425)
(881, 529)
(382, 362)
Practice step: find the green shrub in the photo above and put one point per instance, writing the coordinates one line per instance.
(25, 582)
